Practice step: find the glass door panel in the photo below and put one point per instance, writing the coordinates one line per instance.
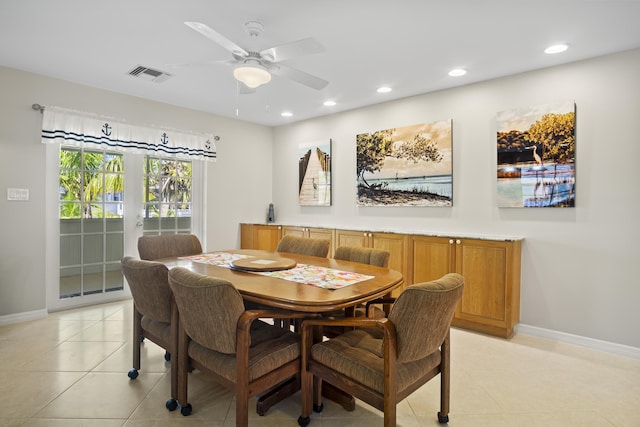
(91, 222)
(167, 196)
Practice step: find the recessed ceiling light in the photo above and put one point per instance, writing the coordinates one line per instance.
(286, 114)
(329, 103)
(556, 48)
(457, 72)
(384, 89)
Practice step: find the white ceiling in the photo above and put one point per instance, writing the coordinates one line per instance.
(409, 45)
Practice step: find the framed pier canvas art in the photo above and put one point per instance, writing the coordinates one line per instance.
(314, 174)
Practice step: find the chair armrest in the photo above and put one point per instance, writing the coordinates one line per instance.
(278, 314)
(382, 301)
(347, 321)
(248, 317)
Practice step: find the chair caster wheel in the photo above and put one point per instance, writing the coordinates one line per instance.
(186, 410)
(303, 421)
(318, 408)
(167, 356)
(133, 374)
(443, 419)
(171, 404)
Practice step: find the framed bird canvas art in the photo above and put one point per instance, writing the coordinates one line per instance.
(536, 156)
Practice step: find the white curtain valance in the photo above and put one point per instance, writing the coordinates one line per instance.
(85, 129)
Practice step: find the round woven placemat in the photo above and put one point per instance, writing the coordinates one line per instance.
(263, 264)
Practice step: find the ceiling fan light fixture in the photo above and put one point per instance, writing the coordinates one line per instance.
(252, 75)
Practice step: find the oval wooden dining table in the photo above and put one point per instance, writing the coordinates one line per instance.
(290, 295)
(295, 296)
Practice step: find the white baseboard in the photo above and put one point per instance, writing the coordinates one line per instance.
(623, 350)
(23, 317)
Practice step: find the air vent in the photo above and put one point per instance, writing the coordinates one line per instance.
(149, 74)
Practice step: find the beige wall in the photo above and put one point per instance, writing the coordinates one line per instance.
(579, 271)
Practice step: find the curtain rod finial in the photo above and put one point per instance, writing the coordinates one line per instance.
(38, 107)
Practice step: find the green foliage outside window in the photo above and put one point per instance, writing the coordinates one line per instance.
(89, 180)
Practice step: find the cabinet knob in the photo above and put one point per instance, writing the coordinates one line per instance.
(279, 227)
(369, 234)
(451, 241)
(364, 234)
(458, 242)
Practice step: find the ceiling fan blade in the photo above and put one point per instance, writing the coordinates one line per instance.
(217, 38)
(298, 76)
(285, 51)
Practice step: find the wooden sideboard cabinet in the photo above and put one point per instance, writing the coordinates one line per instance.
(396, 244)
(260, 236)
(311, 232)
(490, 302)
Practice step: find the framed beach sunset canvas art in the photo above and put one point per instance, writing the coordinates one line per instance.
(536, 156)
(407, 166)
(314, 173)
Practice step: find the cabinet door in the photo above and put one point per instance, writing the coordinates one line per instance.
(398, 247)
(266, 237)
(358, 239)
(491, 297)
(431, 258)
(288, 230)
(322, 233)
(246, 236)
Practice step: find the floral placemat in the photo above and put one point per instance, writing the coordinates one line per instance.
(322, 277)
(221, 259)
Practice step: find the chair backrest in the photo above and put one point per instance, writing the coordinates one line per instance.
(304, 246)
(168, 245)
(422, 315)
(149, 284)
(209, 308)
(376, 257)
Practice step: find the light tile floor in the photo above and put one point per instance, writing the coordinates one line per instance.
(70, 369)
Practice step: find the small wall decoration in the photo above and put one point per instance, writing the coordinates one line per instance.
(314, 174)
(407, 166)
(536, 156)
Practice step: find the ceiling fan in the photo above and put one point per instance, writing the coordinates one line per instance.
(255, 68)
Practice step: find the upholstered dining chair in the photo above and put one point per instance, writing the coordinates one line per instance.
(301, 246)
(383, 361)
(154, 314)
(218, 337)
(168, 245)
(370, 256)
(304, 246)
